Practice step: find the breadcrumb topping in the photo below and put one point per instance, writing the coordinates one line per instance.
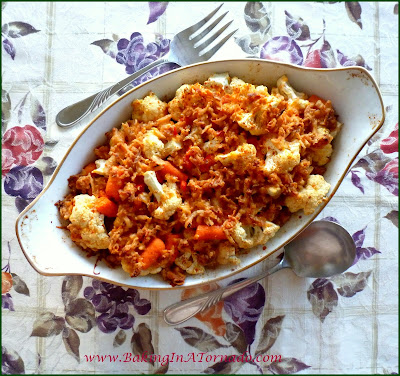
(191, 183)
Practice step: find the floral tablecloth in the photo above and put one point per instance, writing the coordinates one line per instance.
(56, 53)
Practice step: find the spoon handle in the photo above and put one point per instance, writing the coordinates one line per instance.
(180, 312)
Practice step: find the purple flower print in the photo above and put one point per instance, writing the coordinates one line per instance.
(15, 30)
(157, 9)
(135, 55)
(245, 307)
(283, 49)
(113, 303)
(25, 182)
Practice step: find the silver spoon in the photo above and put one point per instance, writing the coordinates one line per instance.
(323, 249)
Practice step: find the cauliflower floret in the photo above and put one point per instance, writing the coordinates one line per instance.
(272, 102)
(129, 267)
(183, 261)
(322, 131)
(131, 261)
(176, 105)
(167, 196)
(260, 109)
(321, 155)
(191, 96)
(88, 223)
(152, 145)
(274, 191)
(246, 121)
(227, 254)
(287, 91)
(151, 270)
(282, 160)
(337, 129)
(195, 268)
(298, 104)
(170, 147)
(220, 79)
(155, 187)
(310, 196)
(251, 236)
(150, 108)
(171, 200)
(238, 86)
(101, 167)
(255, 120)
(211, 146)
(242, 156)
(261, 89)
(189, 263)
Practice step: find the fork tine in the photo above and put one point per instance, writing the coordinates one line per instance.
(195, 27)
(207, 55)
(197, 38)
(213, 37)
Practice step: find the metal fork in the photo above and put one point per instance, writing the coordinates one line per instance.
(187, 47)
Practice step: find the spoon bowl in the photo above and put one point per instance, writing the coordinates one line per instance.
(323, 249)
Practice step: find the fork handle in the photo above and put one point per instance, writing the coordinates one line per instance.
(178, 313)
(70, 115)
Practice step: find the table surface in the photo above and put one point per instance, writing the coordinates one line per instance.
(55, 54)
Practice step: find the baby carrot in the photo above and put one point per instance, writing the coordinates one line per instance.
(89, 168)
(105, 206)
(172, 241)
(204, 232)
(168, 168)
(152, 252)
(183, 186)
(315, 98)
(114, 184)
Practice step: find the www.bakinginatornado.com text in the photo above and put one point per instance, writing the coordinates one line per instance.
(179, 358)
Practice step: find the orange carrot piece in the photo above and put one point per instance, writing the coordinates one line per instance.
(107, 207)
(152, 252)
(160, 176)
(183, 186)
(89, 168)
(315, 98)
(168, 168)
(204, 232)
(114, 184)
(101, 193)
(172, 241)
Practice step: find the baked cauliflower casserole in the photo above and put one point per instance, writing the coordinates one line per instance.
(193, 183)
